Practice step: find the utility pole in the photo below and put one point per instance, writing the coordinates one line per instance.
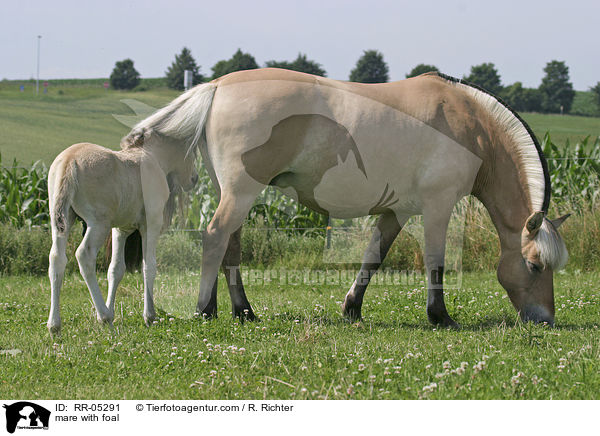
(37, 81)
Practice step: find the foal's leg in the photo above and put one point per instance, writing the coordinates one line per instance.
(150, 235)
(86, 257)
(116, 270)
(229, 216)
(436, 216)
(56, 271)
(388, 227)
(231, 268)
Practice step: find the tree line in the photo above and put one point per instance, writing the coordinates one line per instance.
(554, 95)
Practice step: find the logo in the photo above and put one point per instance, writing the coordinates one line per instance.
(26, 415)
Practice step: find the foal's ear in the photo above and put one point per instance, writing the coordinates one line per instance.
(558, 221)
(534, 222)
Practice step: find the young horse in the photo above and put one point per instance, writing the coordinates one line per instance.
(395, 149)
(124, 190)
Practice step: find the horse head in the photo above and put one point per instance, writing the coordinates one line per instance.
(526, 272)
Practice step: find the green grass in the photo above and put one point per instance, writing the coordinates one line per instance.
(563, 127)
(41, 127)
(302, 348)
(81, 110)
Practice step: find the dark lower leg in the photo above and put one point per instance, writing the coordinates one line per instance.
(209, 311)
(387, 229)
(231, 268)
(436, 308)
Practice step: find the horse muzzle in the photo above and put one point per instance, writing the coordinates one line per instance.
(538, 315)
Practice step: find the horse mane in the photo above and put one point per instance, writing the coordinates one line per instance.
(182, 119)
(526, 146)
(550, 245)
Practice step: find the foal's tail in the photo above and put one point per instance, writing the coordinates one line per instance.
(61, 198)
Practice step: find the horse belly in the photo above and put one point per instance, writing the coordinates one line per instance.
(345, 191)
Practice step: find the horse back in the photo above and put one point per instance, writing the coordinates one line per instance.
(107, 184)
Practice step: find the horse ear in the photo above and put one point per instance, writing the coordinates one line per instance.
(558, 221)
(534, 222)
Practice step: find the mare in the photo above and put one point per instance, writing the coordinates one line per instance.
(412, 147)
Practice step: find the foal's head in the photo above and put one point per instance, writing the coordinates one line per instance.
(184, 173)
(526, 274)
(176, 158)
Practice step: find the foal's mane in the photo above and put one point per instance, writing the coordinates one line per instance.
(529, 152)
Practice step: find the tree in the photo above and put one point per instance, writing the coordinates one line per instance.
(183, 61)
(239, 61)
(421, 69)
(485, 75)
(532, 99)
(301, 63)
(370, 68)
(124, 75)
(514, 96)
(556, 89)
(596, 91)
(522, 99)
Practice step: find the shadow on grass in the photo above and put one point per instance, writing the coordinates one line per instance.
(492, 322)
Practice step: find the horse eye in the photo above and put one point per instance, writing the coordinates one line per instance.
(533, 267)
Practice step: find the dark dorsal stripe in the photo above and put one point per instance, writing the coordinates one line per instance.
(547, 187)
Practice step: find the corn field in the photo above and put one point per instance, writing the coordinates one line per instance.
(24, 194)
(574, 174)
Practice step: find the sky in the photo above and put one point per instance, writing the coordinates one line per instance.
(84, 39)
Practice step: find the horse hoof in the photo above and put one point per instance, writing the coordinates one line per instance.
(54, 329)
(209, 312)
(106, 319)
(205, 315)
(443, 320)
(351, 311)
(245, 314)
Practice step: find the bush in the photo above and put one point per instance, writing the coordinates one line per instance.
(179, 251)
(238, 62)
(124, 75)
(301, 63)
(25, 251)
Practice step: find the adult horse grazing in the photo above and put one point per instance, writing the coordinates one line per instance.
(125, 190)
(347, 149)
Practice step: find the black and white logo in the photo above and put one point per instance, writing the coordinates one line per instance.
(26, 415)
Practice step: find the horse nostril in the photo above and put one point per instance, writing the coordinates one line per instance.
(195, 179)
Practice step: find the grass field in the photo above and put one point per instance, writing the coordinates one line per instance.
(302, 348)
(563, 127)
(41, 127)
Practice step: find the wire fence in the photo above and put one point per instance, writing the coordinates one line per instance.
(548, 158)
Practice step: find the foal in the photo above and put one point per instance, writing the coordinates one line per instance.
(125, 191)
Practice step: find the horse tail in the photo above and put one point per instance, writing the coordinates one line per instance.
(64, 190)
(184, 118)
